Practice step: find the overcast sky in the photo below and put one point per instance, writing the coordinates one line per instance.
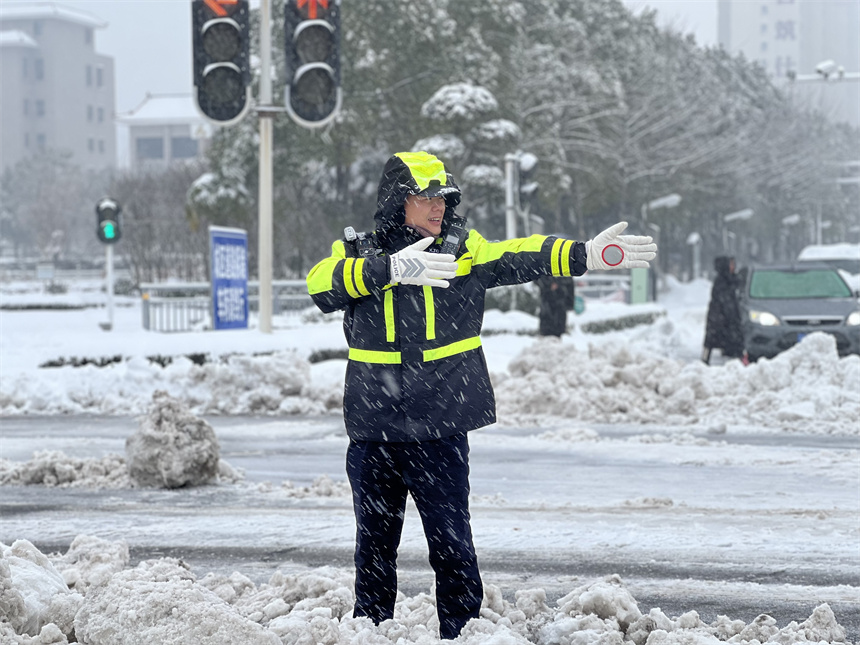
(150, 40)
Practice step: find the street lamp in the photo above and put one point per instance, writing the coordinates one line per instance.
(741, 215)
(825, 70)
(667, 201)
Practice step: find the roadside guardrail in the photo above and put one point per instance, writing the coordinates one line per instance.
(186, 306)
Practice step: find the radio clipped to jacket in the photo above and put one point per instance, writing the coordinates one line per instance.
(364, 244)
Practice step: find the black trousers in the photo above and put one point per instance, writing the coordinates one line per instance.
(436, 474)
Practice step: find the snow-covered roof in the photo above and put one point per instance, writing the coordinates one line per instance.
(843, 251)
(44, 10)
(15, 38)
(162, 109)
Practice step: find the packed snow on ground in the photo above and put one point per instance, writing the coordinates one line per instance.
(87, 594)
(645, 374)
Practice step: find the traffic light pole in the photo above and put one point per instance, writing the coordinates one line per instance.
(108, 286)
(266, 115)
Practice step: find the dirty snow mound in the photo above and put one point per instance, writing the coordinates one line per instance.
(54, 468)
(32, 591)
(159, 601)
(91, 561)
(172, 448)
(808, 388)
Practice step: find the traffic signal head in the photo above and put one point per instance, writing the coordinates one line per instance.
(312, 34)
(222, 70)
(107, 221)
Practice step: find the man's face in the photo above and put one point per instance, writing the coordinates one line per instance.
(425, 214)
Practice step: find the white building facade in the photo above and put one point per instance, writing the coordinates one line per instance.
(794, 37)
(57, 91)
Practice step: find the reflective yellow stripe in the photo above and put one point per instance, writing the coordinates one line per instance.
(347, 278)
(358, 275)
(388, 306)
(372, 356)
(554, 257)
(430, 312)
(393, 358)
(565, 257)
(454, 348)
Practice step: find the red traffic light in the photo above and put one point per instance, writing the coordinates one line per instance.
(222, 70)
(312, 42)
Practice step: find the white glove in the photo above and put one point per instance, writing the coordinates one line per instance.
(414, 265)
(611, 250)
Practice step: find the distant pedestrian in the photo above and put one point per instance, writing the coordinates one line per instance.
(723, 330)
(556, 299)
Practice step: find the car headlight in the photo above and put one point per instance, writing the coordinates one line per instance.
(853, 319)
(764, 318)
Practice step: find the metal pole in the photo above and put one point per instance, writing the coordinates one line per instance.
(109, 279)
(511, 162)
(266, 139)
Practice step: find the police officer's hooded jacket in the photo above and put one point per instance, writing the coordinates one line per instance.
(416, 369)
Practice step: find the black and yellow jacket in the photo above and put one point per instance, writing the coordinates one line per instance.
(416, 370)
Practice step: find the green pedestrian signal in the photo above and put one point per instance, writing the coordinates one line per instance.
(107, 221)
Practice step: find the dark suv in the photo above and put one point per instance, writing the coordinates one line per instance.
(783, 303)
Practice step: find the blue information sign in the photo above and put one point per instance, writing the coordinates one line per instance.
(228, 250)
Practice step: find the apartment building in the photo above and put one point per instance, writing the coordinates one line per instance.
(57, 91)
(792, 37)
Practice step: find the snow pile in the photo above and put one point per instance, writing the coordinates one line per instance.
(159, 601)
(239, 384)
(172, 448)
(91, 561)
(162, 601)
(322, 486)
(33, 593)
(807, 388)
(55, 468)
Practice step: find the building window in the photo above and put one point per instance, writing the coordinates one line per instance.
(183, 148)
(25, 67)
(100, 73)
(39, 69)
(763, 46)
(40, 107)
(88, 36)
(40, 141)
(102, 146)
(150, 148)
(26, 107)
(26, 139)
(91, 144)
(37, 28)
(763, 28)
(101, 113)
(90, 113)
(89, 75)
